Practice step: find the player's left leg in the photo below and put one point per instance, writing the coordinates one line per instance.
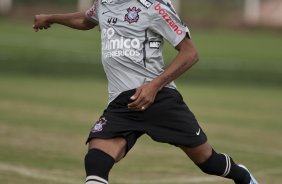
(171, 121)
(211, 162)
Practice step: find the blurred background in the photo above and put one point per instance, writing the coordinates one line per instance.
(53, 88)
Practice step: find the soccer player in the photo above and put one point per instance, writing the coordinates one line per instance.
(143, 98)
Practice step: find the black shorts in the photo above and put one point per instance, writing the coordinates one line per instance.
(167, 120)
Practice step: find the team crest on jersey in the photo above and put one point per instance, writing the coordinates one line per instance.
(132, 15)
(98, 127)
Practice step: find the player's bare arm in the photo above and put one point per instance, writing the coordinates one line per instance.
(185, 59)
(73, 20)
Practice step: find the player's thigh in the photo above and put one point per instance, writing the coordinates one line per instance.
(198, 154)
(115, 147)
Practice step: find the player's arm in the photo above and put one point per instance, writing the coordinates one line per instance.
(76, 20)
(185, 59)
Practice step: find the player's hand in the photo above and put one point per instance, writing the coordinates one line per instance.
(143, 97)
(41, 22)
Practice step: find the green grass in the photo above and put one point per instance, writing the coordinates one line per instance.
(210, 11)
(44, 122)
(56, 52)
(52, 89)
(225, 55)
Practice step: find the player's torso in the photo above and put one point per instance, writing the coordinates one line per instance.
(124, 27)
(131, 46)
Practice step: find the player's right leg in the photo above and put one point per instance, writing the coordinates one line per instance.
(101, 156)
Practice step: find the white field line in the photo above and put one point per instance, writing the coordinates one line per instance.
(48, 177)
(194, 179)
(32, 173)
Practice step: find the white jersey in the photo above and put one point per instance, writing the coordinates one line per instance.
(132, 33)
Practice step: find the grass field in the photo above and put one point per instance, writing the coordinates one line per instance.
(52, 90)
(232, 56)
(44, 123)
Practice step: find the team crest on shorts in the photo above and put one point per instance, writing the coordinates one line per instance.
(98, 127)
(132, 15)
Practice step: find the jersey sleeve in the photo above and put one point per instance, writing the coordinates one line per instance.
(167, 23)
(92, 13)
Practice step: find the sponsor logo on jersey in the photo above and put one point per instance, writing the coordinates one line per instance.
(98, 127)
(168, 19)
(132, 15)
(154, 44)
(117, 46)
(146, 3)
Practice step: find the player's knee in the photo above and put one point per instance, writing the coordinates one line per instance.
(115, 147)
(98, 165)
(199, 154)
